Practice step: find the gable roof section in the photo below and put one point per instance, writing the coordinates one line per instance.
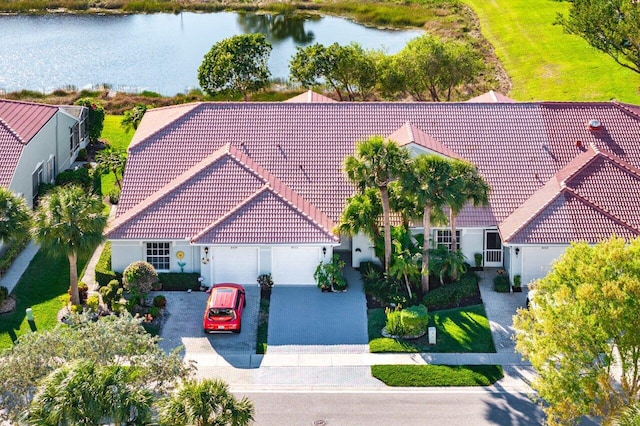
(491, 96)
(310, 97)
(209, 194)
(410, 134)
(156, 119)
(594, 196)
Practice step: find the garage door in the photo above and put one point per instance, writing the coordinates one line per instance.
(235, 264)
(294, 265)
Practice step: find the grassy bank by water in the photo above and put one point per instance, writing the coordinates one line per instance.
(543, 62)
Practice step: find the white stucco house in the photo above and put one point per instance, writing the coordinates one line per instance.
(38, 141)
(232, 190)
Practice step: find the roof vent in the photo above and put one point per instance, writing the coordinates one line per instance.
(594, 125)
(579, 144)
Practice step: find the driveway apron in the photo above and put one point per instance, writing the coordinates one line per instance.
(302, 319)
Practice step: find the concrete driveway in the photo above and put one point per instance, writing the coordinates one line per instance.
(302, 319)
(183, 326)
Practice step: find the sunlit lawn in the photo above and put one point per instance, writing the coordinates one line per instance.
(437, 375)
(114, 134)
(543, 62)
(458, 330)
(43, 287)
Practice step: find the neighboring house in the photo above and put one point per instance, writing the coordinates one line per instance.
(38, 141)
(231, 190)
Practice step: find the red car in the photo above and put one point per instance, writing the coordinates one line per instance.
(224, 308)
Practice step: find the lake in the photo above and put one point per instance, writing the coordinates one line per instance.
(158, 52)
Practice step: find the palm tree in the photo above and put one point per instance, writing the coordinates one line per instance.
(378, 162)
(69, 221)
(361, 214)
(205, 403)
(14, 216)
(112, 160)
(430, 181)
(85, 393)
(468, 186)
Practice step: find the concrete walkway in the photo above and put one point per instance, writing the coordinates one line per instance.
(19, 265)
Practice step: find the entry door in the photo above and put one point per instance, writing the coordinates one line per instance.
(492, 249)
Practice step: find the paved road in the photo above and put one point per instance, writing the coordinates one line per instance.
(407, 408)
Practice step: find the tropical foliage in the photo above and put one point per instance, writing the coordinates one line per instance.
(14, 216)
(133, 117)
(95, 118)
(589, 301)
(112, 160)
(68, 222)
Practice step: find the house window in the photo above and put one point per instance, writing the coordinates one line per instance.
(158, 255)
(443, 238)
(51, 169)
(36, 179)
(83, 124)
(74, 138)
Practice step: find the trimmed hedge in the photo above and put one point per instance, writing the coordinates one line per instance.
(450, 295)
(415, 320)
(179, 281)
(78, 176)
(103, 273)
(14, 249)
(501, 284)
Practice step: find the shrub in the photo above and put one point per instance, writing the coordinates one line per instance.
(78, 176)
(103, 272)
(14, 249)
(501, 284)
(154, 311)
(82, 155)
(477, 260)
(394, 321)
(93, 302)
(111, 293)
(386, 290)
(414, 320)
(77, 309)
(96, 182)
(159, 301)
(329, 275)
(179, 281)
(450, 295)
(4, 293)
(83, 291)
(517, 281)
(265, 281)
(114, 195)
(139, 278)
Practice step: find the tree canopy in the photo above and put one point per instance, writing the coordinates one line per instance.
(582, 331)
(95, 118)
(111, 341)
(14, 215)
(611, 26)
(237, 63)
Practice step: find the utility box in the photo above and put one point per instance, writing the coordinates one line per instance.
(432, 335)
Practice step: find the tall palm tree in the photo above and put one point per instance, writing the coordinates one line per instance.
(205, 403)
(69, 221)
(468, 186)
(430, 181)
(14, 216)
(85, 393)
(361, 214)
(376, 163)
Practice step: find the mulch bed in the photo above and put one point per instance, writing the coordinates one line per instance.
(476, 299)
(8, 305)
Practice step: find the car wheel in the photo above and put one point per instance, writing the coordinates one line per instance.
(238, 330)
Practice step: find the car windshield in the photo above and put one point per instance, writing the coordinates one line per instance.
(221, 314)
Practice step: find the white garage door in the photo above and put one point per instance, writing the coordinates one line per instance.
(294, 265)
(235, 265)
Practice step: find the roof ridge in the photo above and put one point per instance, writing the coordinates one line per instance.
(167, 189)
(189, 108)
(601, 210)
(228, 214)
(15, 101)
(290, 196)
(625, 108)
(13, 132)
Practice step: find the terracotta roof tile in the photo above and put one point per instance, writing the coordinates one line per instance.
(410, 134)
(517, 147)
(310, 97)
(490, 97)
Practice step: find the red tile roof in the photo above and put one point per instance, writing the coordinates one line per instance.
(517, 147)
(19, 123)
(310, 97)
(490, 97)
(411, 134)
(595, 195)
(217, 194)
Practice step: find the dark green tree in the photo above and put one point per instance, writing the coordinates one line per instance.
(14, 216)
(237, 63)
(112, 160)
(95, 118)
(611, 26)
(133, 117)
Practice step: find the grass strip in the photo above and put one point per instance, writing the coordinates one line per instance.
(43, 287)
(437, 375)
(263, 326)
(459, 330)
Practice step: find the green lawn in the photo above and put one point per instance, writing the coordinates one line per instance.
(458, 330)
(43, 287)
(114, 134)
(437, 375)
(543, 62)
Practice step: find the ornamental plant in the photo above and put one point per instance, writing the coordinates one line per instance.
(329, 275)
(138, 278)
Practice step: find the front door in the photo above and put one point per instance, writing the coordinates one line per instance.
(492, 249)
